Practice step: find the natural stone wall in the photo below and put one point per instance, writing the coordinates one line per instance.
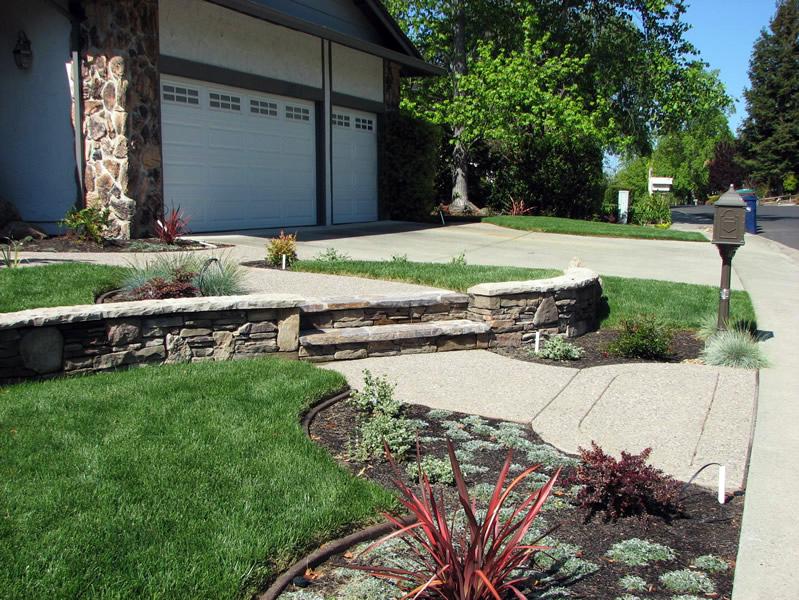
(516, 310)
(72, 340)
(391, 85)
(121, 112)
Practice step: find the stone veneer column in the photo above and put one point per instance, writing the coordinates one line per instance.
(391, 85)
(122, 112)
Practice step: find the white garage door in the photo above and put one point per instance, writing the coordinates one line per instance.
(354, 166)
(237, 159)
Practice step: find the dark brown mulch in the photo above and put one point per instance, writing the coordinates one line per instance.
(684, 347)
(705, 528)
(66, 243)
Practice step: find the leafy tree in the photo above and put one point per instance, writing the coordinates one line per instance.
(770, 133)
(725, 167)
(529, 77)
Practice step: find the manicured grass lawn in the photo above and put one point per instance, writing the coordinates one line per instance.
(182, 481)
(578, 227)
(55, 285)
(447, 276)
(682, 304)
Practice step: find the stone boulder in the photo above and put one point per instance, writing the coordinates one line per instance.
(19, 230)
(8, 213)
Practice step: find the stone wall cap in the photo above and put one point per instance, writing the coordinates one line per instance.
(574, 278)
(390, 333)
(57, 315)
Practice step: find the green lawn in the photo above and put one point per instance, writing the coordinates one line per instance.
(182, 481)
(55, 285)
(682, 304)
(447, 276)
(578, 227)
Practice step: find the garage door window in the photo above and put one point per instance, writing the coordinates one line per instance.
(224, 101)
(181, 95)
(263, 107)
(364, 124)
(298, 113)
(341, 120)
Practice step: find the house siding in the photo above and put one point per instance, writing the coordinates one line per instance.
(357, 74)
(205, 33)
(37, 157)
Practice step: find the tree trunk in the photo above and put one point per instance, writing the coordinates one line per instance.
(460, 160)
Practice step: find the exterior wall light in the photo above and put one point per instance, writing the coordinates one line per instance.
(23, 55)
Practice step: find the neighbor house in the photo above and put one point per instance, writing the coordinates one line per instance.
(245, 113)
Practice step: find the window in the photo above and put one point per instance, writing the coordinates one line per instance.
(365, 124)
(224, 101)
(263, 107)
(340, 120)
(181, 95)
(298, 113)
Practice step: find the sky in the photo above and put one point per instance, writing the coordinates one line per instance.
(724, 32)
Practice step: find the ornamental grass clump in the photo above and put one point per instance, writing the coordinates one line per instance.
(624, 487)
(280, 246)
(180, 275)
(485, 559)
(734, 349)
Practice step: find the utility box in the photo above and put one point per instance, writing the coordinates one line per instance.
(729, 219)
(624, 206)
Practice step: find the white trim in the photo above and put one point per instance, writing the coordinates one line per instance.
(327, 109)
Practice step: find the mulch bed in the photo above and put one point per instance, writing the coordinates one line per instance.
(66, 243)
(706, 527)
(685, 347)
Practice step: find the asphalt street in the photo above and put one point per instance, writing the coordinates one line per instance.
(778, 223)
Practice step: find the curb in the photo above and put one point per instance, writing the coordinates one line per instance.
(332, 547)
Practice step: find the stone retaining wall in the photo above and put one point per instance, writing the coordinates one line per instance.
(81, 339)
(515, 310)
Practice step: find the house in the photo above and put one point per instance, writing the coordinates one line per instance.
(245, 113)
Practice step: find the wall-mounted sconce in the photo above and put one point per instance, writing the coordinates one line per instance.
(23, 55)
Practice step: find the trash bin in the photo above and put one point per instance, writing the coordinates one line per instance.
(750, 198)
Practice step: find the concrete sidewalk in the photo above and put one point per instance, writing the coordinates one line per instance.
(769, 549)
(689, 414)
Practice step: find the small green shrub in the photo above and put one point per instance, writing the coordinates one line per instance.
(557, 348)
(332, 255)
(636, 552)
(282, 245)
(686, 581)
(88, 223)
(399, 259)
(376, 396)
(711, 563)
(642, 337)
(651, 209)
(438, 470)
(9, 253)
(458, 261)
(734, 349)
(633, 583)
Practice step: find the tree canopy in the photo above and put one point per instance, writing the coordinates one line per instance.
(770, 132)
(572, 78)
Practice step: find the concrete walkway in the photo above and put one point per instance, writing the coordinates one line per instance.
(689, 414)
(769, 548)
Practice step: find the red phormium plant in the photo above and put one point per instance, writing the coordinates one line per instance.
(482, 561)
(624, 487)
(519, 208)
(171, 226)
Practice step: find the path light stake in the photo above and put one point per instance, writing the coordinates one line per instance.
(537, 340)
(283, 258)
(728, 235)
(722, 486)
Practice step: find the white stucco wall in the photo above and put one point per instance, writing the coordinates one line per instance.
(207, 33)
(357, 74)
(37, 157)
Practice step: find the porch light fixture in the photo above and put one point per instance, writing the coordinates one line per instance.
(23, 55)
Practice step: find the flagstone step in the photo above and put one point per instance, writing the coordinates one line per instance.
(344, 343)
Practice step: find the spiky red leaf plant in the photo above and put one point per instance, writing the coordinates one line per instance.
(171, 226)
(519, 208)
(482, 561)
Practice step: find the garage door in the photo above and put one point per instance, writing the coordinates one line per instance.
(354, 166)
(237, 159)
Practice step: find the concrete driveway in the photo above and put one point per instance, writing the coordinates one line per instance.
(481, 243)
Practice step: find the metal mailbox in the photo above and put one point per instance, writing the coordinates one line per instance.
(729, 224)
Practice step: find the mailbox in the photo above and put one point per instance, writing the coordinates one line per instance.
(729, 219)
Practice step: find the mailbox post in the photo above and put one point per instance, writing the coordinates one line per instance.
(728, 235)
